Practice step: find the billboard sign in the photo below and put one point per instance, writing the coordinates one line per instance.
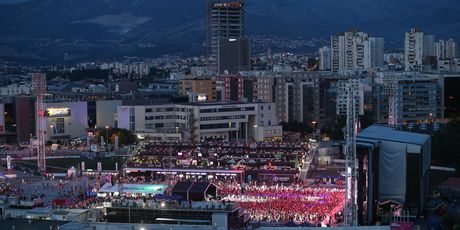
(57, 112)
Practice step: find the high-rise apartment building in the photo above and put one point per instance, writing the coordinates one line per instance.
(297, 97)
(373, 52)
(245, 88)
(342, 96)
(225, 20)
(446, 49)
(325, 58)
(413, 49)
(351, 51)
(417, 98)
(429, 45)
(233, 55)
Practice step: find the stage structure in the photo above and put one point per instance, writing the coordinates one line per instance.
(351, 166)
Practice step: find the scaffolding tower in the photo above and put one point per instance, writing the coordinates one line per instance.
(351, 166)
(39, 91)
(390, 87)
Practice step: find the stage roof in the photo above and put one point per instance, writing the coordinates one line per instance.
(387, 133)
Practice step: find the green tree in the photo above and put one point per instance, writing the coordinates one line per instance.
(125, 137)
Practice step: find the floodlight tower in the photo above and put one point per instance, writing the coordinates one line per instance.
(351, 166)
(39, 91)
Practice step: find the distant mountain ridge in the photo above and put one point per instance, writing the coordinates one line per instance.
(46, 29)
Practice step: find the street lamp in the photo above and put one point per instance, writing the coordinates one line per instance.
(107, 136)
(255, 130)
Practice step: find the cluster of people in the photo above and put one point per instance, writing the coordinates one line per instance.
(80, 202)
(280, 203)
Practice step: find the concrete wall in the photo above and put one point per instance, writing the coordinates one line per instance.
(105, 112)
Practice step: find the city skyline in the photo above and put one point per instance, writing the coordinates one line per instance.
(229, 115)
(137, 32)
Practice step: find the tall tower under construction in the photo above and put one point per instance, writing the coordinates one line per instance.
(225, 20)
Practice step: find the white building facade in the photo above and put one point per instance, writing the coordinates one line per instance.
(446, 49)
(198, 121)
(413, 49)
(15, 89)
(65, 120)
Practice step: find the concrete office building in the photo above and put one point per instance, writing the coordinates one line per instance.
(225, 20)
(248, 89)
(342, 96)
(197, 121)
(15, 89)
(233, 88)
(106, 113)
(65, 120)
(451, 95)
(418, 98)
(198, 89)
(264, 89)
(234, 55)
(17, 119)
(297, 97)
(267, 128)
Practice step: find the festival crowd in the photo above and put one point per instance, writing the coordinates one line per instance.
(279, 203)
